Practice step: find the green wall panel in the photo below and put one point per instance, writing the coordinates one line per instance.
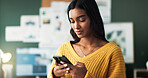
(10, 12)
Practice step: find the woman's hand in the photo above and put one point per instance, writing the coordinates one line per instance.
(59, 69)
(77, 71)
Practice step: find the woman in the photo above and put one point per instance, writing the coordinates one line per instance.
(91, 54)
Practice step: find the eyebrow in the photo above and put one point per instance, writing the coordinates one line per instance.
(79, 16)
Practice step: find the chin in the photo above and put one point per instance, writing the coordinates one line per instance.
(80, 36)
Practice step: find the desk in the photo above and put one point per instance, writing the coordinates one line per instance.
(140, 73)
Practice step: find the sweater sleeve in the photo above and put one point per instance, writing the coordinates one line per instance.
(59, 52)
(117, 65)
(88, 75)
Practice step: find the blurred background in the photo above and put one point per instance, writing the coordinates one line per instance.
(32, 30)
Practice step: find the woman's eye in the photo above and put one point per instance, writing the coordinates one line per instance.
(82, 20)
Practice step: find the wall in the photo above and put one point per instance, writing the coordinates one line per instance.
(10, 12)
(135, 11)
(122, 11)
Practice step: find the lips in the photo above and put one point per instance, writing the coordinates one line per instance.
(78, 32)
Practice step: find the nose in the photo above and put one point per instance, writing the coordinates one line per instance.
(77, 25)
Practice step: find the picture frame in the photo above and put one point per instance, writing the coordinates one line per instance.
(122, 34)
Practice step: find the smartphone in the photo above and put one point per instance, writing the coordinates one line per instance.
(61, 58)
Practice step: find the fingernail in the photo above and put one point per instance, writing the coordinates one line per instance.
(61, 62)
(68, 68)
(67, 72)
(65, 65)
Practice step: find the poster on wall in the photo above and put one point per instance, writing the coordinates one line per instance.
(57, 31)
(31, 35)
(29, 21)
(45, 16)
(122, 35)
(13, 33)
(30, 27)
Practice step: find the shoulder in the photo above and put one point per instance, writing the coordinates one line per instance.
(113, 48)
(63, 48)
(65, 45)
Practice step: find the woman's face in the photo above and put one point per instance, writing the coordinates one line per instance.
(80, 22)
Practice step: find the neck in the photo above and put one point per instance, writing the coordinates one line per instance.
(89, 42)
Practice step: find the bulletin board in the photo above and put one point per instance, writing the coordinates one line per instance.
(47, 3)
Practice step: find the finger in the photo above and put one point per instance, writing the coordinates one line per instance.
(64, 72)
(59, 67)
(56, 63)
(70, 66)
(60, 72)
(62, 62)
(68, 70)
(63, 66)
(79, 64)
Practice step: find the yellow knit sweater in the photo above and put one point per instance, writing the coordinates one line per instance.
(106, 62)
